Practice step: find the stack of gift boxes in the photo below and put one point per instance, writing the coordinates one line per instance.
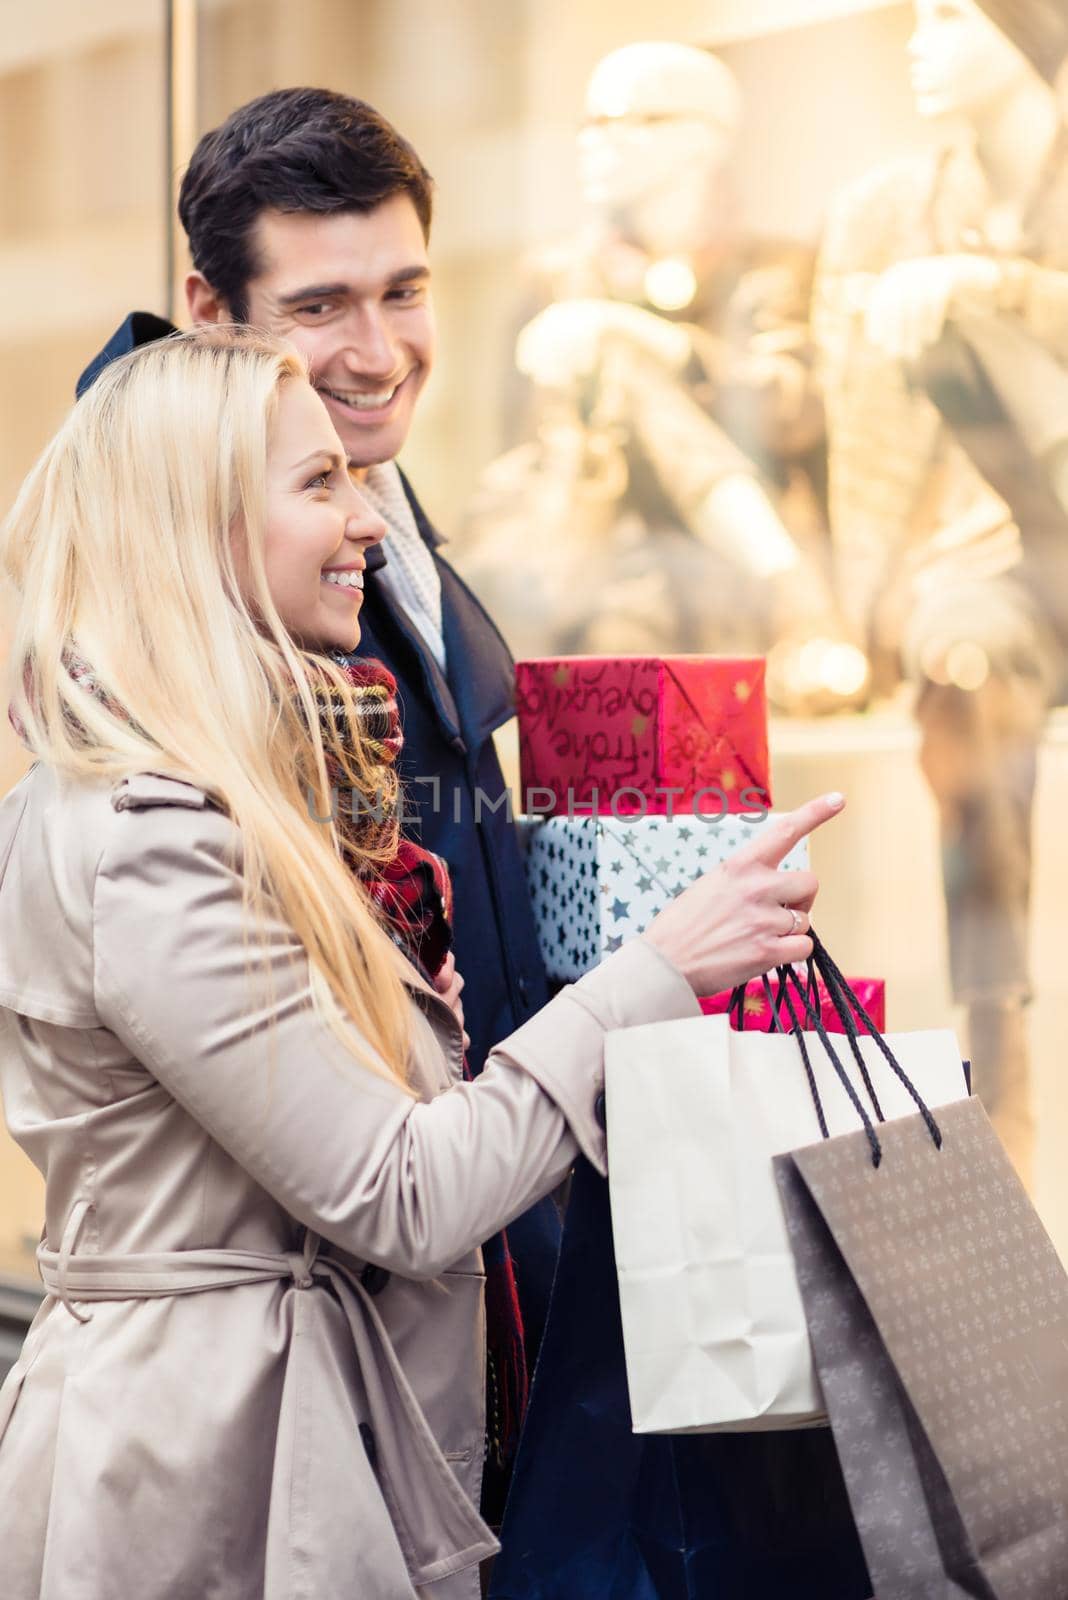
(638, 775)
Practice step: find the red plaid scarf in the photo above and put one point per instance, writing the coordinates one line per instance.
(412, 889)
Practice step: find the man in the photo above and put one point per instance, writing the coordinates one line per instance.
(942, 309)
(308, 215)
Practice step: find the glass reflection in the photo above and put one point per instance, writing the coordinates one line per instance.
(667, 468)
(941, 311)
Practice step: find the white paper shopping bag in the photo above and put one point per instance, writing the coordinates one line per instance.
(713, 1324)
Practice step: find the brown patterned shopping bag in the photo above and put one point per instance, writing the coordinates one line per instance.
(938, 1314)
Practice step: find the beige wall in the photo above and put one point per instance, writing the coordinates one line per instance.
(81, 193)
(82, 186)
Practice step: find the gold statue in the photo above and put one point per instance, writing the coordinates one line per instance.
(941, 310)
(664, 489)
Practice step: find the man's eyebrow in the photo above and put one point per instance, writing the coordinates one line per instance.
(413, 274)
(416, 273)
(314, 291)
(336, 462)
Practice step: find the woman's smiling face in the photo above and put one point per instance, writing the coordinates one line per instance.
(318, 527)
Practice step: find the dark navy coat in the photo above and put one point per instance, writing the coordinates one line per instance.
(448, 737)
(450, 768)
(455, 791)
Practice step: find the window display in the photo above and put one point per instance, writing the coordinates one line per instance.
(754, 339)
(942, 312)
(670, 444)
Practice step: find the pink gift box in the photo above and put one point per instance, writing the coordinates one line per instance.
(871, 992)
(643, 735)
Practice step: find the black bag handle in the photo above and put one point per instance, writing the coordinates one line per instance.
(736, 1009)
(788, 977)
(849, 1007)
(774, 1001)
(799, 1034)
(736, 1006)
(844, 1004)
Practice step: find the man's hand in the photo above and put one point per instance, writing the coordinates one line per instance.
(909, 305)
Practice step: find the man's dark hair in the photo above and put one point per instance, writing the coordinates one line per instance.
(290, 150)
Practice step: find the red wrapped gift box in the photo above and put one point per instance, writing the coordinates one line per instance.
(871, 992)
(620, 734)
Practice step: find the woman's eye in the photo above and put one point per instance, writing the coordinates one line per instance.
(320, 481)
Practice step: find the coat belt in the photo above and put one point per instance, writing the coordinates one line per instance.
(448, 1535)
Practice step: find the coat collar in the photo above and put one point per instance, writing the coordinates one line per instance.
(470, 703)
(140, 327)
(485, 689)
(385, 632)
(427, 531)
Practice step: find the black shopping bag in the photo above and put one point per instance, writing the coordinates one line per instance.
(599, 1513)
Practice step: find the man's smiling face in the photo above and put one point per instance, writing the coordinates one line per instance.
(352, 291)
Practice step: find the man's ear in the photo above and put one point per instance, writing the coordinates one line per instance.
(205, 303)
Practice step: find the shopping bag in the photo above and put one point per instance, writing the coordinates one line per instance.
(713, 1323)
(597, 1512)
(938, 1315)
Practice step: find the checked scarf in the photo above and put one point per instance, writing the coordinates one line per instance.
(414, 893)
(411, 888)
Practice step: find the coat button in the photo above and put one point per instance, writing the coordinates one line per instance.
(524, 989)
(374, 1278)
(599, 1110)
(369, 1444)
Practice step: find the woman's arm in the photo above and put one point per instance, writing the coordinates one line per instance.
(409, 1184)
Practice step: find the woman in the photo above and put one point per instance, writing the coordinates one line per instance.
(258, 1370)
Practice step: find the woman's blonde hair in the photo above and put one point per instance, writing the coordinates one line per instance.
(121, 550)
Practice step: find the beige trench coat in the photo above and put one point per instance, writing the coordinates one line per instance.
(258, 1371)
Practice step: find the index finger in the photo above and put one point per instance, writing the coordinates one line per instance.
(778, 839)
